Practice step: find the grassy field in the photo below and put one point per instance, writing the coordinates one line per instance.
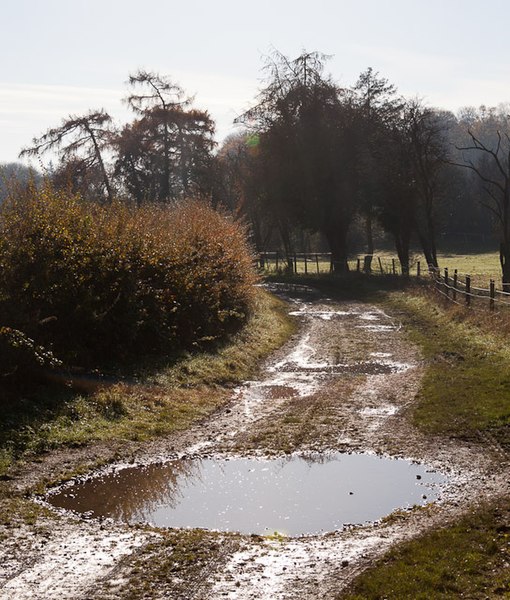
(482, 267)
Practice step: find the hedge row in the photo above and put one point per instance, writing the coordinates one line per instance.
(94, 283)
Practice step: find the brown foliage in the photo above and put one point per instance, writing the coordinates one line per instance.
(97, 282)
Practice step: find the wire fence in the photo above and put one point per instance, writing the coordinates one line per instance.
(452, 286)
(322, 262)
(459, 289)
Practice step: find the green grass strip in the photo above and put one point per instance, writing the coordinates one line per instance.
(467, 560)
(466, 387)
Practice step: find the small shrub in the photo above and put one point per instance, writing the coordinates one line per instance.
(98, 283)
(19, 355)
(110, 402)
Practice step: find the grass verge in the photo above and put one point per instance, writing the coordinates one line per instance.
(466, 387)
(469, 559)
(158, 404)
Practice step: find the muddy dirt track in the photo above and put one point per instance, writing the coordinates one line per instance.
(345, 382)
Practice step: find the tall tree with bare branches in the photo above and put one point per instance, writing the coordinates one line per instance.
(428, 149)
(79, 140)
(304, 125)
(488, 155)
(379, 108)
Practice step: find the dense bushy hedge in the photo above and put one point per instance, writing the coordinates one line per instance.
(96, 283)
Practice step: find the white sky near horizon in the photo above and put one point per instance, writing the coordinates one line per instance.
(61, 57)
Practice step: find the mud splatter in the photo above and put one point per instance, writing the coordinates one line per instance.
(345, 383)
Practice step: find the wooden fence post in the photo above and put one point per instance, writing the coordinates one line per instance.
(455, 279)
(277, 261)
(380, 265)
(358, 265)
(393, 265)
(306, 265)
(295, 264)
(492, 292)
(331, 263)
(317, 262)
(447, 283)
(418, 269)
(367, 263)
(468, 290)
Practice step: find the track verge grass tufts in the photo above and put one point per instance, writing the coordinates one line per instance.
(468, 559)
(466, 386)
(157, 404)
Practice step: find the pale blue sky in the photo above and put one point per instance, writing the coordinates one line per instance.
(66, 56)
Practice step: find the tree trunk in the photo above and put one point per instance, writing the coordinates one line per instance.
(504, 259)
(429, 251)
(369, 233)
(337, 240)
(164, 190)
(432, 245)
(287, 246)
(137, 191)
(102, 168)
(367, 262)
(504, 247)
(402, 243)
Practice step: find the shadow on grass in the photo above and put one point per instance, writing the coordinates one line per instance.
(26, 409)
(137, 400)
(351, 286)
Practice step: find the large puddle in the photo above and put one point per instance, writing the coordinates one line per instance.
(292, 496)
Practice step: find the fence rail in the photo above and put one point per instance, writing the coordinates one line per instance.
(459, 289)
(322, 262)
(456, 288)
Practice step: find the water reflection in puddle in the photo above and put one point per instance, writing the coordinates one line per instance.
(293, 496)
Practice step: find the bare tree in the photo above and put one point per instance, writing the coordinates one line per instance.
(397, 190)
(379, 107)
(79, 139)
(429, 154)
(493, 169)
(304, 124)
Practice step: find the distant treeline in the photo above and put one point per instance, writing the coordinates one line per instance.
(315, 166)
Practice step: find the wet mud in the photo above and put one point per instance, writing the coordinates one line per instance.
(344, 384)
